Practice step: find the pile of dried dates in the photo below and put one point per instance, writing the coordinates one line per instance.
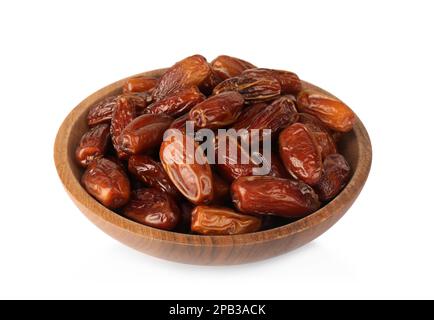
(131, 168)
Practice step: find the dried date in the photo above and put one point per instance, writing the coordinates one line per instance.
(107, 182)
(218, 111)
(335, 114)
(189, 171)
(144, 133)
(336, 174)
(273, 196)
(300, 153)
(151, 173)
(93, 144)
(154, 208)
(210, 220)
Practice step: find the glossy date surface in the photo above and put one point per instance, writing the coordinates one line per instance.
(273, 196)
(213, 220)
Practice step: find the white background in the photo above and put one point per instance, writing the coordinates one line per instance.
(375, 55)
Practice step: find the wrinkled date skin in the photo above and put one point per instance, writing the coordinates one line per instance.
(211, 220)
(273, 196)
(228, 67)
(277, 115)
(123, 114)
(231, 166)
(178, 103)
(218, 111)
(253, 87)
(144, 133)
(151, 173)
(300, 153)
(139, 84)
(191, 71)
(336, 174)
(107, 182)
(208, 85)
(102, 111)
(93, 144)
(192, 177)
(154, 208)
(320, 132)
(335, 114)
(289, 82)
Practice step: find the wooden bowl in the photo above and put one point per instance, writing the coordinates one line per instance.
(195, 249)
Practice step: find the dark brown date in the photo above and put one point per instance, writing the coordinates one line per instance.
(274, 196)
(189, 171)
(210, 220)
(107, 182)
(151, 173)
(277, 115)
(289, 82)
(335, 114)
(320, 132)
(218, 111)
(139, 84)
(336, 174)
(184, 226)
(93, 144)
(102, 111)
(208, 85)
(123, 114)
(178, 103)
(300, 153)
(253, 87)
(144, 133)
(191, 71)
(154, 208)
(227, 67)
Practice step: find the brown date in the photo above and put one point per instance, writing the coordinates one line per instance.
(178, 103)
(102, 111)
(151, 173)
(93, 144)
(253, 87)
(300, 153)
(277, 115)
(154, 208)
(107, 182)
(335, 114)
(123, 113)
(189, 171)
(210, 220)
(217, 111)
(144, 133)
(139, 84)
(322, 135)
(336, 174)
(274, 196)
(289, 82)
(191, 71)
(227, 67)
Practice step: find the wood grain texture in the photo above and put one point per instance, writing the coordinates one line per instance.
(195, 249)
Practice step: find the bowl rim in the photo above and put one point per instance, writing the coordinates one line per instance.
(74, 188)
